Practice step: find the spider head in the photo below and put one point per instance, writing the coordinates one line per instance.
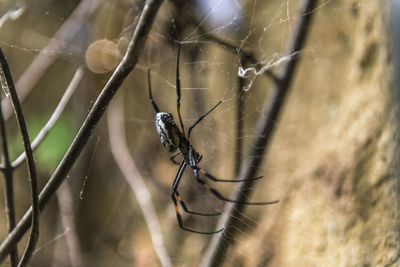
(167, 130)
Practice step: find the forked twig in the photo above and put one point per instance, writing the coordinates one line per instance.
(122, 156)
(34, 234)
(8, 167)
(265, 126)
(124, 68)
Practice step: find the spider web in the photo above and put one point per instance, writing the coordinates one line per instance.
(109, 222)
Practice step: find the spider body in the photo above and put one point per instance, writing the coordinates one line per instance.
(168, 131)
(174, 138)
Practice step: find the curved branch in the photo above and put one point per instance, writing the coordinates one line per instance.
(124, 68)
(34, 234)
(265, 126)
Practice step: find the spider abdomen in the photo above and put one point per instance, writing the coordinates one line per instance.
(167, 130)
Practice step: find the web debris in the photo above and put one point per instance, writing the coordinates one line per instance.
(251, 73)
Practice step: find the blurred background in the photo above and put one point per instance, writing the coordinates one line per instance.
(331, 162)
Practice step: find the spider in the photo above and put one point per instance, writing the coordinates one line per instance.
(174, 138)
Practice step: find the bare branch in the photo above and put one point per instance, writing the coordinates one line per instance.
(124, 68)
(34, 234)
(245, 56)
(66, 204)
(239, 122)
(8, 188)
(54, 117)
(265, 127)
(122, 156)
(48, 55)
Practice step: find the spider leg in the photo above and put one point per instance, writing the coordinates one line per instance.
(201, 118)
(178, 91)
(176, 197)
(193, 212)
(177, 163)
(215, 179)
(196, 169)
(150, 95)
(173, 158)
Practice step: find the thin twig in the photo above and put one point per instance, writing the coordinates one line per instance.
(34, 234)
(124, 68)
(239, 122)
(266, 124)
(55, 116)
(9, 188)
(49, 54)
(245, 55)
(122, 156)
(65, 202)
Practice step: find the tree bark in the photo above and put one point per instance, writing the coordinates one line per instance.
(333, 161)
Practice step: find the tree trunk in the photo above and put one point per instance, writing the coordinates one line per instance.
(332, 162)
